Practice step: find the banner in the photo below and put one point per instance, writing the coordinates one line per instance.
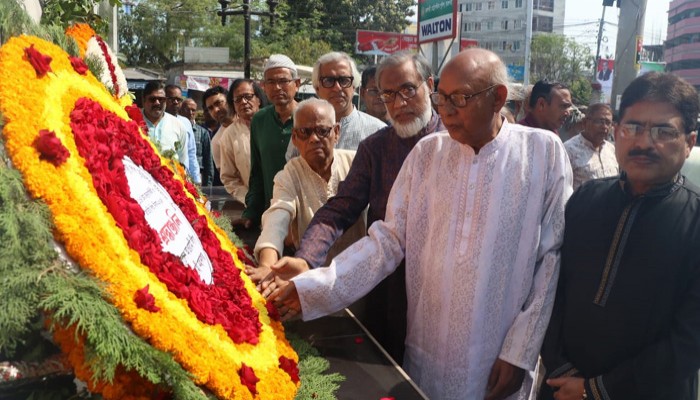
(376, 43)
(467, 43)
(437, 20)
(202, 83)
(605, 73)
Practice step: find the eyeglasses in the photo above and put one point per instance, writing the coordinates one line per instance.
(248, 97)
(174, 99)
(658, 133)
(407, 91)
(153, 99)
(602, 121)
(343, 81)
(278, 82)
(457, 99)
(320, 131)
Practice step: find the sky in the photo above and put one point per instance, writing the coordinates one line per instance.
(582, 16)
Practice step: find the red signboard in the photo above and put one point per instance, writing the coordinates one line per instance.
(467, 43)
(384, 43)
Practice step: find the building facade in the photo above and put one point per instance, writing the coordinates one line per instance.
(500, 25)
(682, 46)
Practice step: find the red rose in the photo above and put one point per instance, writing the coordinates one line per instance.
(78, 65)
(290, 367)
(40, 62)
(272, 311)
(248, 378)
(145, 300)
(50, 148)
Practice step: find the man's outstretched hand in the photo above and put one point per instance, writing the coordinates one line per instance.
(504, 380)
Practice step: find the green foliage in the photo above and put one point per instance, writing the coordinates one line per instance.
(22, 261)
(315, 384)
(64, 13)
(558, 58)
(155, 33)
(13, 20)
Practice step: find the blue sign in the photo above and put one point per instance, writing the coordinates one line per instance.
(516, 72)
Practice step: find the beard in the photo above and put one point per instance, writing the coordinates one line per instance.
(409, 129)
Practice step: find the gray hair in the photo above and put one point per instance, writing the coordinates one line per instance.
(315, 103)
(419, 62)
(335, 56)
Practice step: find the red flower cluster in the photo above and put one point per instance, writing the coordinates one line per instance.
(290, 367)
(103, 145)
(50, 148)
(78, 65)
(40, 62)
(272, 311)
(145, 300)
(137, 116)
(110, 63)
(248, 378)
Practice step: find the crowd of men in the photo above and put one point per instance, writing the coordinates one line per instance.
(469, 245)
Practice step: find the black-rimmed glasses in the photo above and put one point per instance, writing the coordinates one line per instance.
(457, 99)
(247, 97)
(343, 81)
(320, 131)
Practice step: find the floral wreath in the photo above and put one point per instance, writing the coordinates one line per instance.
(74, 143)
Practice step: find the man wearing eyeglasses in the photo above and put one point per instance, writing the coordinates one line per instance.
(590, 154)
(335, 78)
(369, 93)
(626, 320)
(305, 184)
(478, 214)
(173, 102)
(270, 133)
(406, 82)
(164, 130)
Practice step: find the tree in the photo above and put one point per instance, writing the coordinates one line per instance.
(558, 58)
(155, 32)
(67, 12)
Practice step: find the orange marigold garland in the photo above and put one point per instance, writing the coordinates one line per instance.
(203, 348)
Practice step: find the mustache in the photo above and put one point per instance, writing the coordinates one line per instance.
(644, 153)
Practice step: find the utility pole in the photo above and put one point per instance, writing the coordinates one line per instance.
(628, 48)
(246, 13)
(528, 41)
(600, 38)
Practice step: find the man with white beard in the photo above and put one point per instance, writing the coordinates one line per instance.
(405, 83)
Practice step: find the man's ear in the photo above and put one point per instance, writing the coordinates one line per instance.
(690, 140)
(336, 132)
(431, 84)
(500, 96)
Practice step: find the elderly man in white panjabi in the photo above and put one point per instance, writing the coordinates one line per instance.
(479, 215)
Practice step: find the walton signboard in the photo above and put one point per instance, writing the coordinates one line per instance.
(437, 20)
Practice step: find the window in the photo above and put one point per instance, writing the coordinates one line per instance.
(518, 3)
(517, 24)
(544, 5)
(504, 24)
(489, 25)
(504, 45)
(477, 26)
(516, 45)
(504, 4)
(469, 6)
(488, 46)
(542, 24)
(468, 27)
(477, 6)
(460, 7)
(491, 5)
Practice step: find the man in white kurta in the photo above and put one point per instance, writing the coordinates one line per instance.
(231, 146)
(478, 214)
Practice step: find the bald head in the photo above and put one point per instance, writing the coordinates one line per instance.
(472, 91)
